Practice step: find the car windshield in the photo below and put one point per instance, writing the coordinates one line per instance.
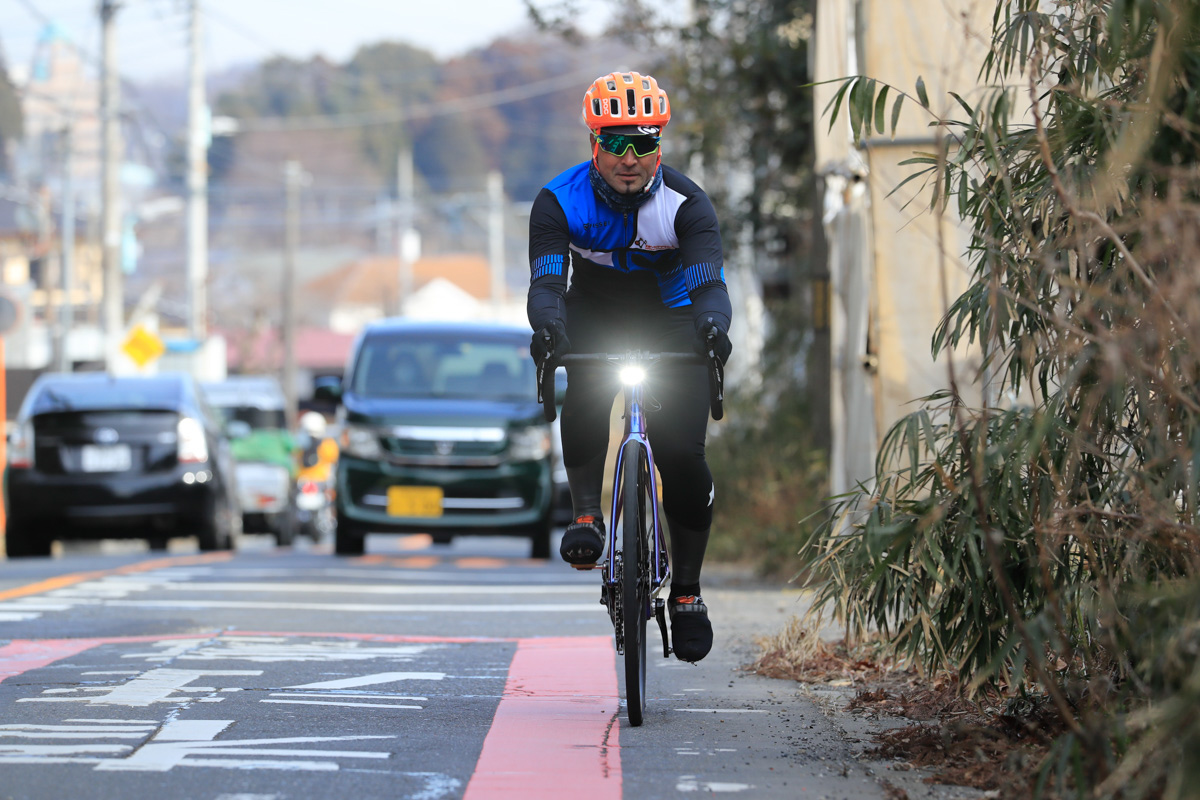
(256, 418)
(443, 366)
(98, 395)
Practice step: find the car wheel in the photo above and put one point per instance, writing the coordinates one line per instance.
(21, 542)
(216, 530)
(157, 543)
(283, 527)
(348, 538)
(540, 538)
(442, 538)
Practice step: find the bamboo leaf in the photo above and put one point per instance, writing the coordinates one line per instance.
(881, 110)
(896, 113)
(922, 97)
(836, 102)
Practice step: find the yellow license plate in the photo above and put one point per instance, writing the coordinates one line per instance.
(414, 501)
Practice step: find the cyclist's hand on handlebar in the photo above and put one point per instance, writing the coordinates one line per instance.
(711, 338)
(550, 341)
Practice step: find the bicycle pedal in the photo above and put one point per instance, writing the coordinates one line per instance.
(585, 567)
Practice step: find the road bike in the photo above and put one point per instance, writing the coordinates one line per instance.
(635, 568)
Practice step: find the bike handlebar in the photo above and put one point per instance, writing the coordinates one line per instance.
(716, 374)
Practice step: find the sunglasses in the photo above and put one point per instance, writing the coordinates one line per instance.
(618, 144)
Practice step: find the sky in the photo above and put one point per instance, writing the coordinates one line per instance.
(152, 34)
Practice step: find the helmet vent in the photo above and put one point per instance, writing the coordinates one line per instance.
(612, 86)
(627, 78)
(631, 99)
(614, 108)
(645, 84)
(596, 106)
(647, 106)
(662, 105)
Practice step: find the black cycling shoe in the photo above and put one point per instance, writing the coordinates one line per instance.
(691, 632)
(583, 541)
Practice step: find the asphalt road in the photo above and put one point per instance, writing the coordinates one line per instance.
(416, 671)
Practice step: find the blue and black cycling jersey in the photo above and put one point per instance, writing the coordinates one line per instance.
(665, 254)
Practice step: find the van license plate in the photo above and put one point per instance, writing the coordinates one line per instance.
(414, 501)
(106, 458)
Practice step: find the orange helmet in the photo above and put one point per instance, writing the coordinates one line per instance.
(626, 100)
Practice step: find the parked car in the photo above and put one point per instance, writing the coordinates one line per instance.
(95, 456)
(441, 433)
(253, 408)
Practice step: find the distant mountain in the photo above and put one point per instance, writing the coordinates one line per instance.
(512, 106)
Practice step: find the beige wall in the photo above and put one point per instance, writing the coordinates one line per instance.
(915, 262)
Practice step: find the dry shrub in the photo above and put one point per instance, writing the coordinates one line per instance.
(1049, 540)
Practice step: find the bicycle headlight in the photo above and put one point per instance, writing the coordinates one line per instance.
(529, 444)
(361, 442)
(632, 376)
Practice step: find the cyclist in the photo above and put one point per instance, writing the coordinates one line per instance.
(644, 251)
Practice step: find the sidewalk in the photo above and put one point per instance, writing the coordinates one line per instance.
(739, 627)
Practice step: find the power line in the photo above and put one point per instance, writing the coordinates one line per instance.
(90, 58)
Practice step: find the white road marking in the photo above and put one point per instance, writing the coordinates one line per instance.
(155, 686)
(344, 705)
(722, 710)
(81, 732)
(191, 743)
(360, 588)
(372, 680)
(328, 695)
(688, 783)
(368, 608)
(278, 649)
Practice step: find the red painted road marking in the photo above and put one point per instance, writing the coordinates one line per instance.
(555, 733)
(21, 656)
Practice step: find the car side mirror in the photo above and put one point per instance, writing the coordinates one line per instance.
(327, 389)
(237, 429)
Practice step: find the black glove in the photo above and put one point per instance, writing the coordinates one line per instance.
(710, 336)
(550, 341)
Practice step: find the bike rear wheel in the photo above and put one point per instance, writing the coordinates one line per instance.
(636, 508)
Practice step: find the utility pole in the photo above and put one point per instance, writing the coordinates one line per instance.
(110, 160)
(495, 189)
(66, 311)
(292, 178)
(197, 182)
(404, 241)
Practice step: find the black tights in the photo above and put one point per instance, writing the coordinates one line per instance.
(676, 401)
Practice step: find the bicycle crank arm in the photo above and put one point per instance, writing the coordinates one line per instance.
(660, 614)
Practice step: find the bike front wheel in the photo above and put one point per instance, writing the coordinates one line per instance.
(636, 510)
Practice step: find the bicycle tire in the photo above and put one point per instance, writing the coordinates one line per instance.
(636, 506)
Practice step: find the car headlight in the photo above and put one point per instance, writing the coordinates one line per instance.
(529, 444)
(361, 442)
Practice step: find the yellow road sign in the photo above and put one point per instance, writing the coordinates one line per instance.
(143, 346)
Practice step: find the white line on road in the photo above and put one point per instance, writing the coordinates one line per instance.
(722, 710)
(348, 695)
(344, 705)
(369, 588)
(419, 608)
(372, 680)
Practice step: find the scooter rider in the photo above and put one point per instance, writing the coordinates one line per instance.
(643, 248)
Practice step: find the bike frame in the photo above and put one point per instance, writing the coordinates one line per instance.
(636, 431)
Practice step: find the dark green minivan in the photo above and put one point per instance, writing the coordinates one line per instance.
(441, 434)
